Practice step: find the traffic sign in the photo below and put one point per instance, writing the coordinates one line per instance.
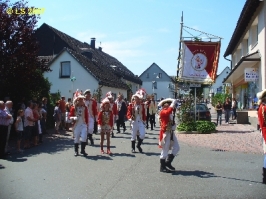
(194, 85)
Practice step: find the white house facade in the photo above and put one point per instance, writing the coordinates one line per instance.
(247, 49)
(65, 67)
(156, 81)
(218, 86)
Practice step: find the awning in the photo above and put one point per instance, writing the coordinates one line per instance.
(237, 74)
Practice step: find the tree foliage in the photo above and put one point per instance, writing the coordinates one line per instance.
(219, 97)
(21, 70)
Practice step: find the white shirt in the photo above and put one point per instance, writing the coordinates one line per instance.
(28, 113)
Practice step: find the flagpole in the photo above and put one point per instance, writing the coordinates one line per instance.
(181, 35)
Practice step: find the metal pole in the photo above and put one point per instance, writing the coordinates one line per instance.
(180, 44)
(195, 103)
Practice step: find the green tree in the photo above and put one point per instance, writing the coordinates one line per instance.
(219, 97)
(21, 70)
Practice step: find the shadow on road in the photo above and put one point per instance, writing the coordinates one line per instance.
(204, 174)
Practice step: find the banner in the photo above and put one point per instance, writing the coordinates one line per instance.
(199, 61)
(251, 74)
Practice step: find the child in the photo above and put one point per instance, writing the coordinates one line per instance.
(19, 125)
(105, 124)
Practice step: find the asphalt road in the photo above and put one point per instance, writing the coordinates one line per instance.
(51, 171)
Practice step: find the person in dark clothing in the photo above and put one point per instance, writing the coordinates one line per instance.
(227, 109)
(219, 109)
(122, 111)
(148, 101)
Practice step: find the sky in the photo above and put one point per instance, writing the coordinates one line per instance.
(141, 32)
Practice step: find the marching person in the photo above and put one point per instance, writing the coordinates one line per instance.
(122, 112)
(113, 108)
(136, 114)
(262, 122)
(92, 112)
(167, 139)
(105, 123)
(79, 114)
(152, 111)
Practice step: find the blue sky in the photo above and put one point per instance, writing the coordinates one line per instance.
(141, 32)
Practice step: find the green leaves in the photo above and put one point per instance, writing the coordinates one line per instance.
(199, 126)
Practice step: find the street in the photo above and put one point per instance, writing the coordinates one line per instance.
(51, 171)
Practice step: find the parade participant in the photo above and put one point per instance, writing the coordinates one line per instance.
(92, 112)
(167, 139)
(136, 114)
(122, 112)
(152, 111)
(105, 124)
(68, 121)
(79, 114)
(262, 122)
(147, 102)
(113, 108)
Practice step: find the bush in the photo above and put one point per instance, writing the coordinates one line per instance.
(200, 126)
(205, 126)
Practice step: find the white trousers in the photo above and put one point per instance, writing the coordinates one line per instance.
(91, 125)
(137, 126)
(166, 146)
(80, 132)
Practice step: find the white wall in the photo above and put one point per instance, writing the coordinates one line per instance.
(161, 91)
(84, 80)
(220, 79)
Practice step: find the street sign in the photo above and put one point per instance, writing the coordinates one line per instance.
(195, 85)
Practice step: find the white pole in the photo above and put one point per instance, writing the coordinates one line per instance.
(195, 103)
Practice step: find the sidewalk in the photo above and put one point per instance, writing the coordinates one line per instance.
(229, 137)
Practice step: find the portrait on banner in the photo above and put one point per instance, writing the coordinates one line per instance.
(199, 61)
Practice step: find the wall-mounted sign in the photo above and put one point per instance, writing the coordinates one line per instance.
(194, 85)
(251, 74)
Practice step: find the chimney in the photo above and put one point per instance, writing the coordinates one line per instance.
(100, 48)
(93, 43)
(87, 54)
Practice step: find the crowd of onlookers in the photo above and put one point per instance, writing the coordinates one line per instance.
(27, 120)
(229, 107)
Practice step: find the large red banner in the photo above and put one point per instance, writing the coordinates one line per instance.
(200, 61)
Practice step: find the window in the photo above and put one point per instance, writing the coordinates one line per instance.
(160, 75)
(147, 75)
(65, 70)
(154, 85)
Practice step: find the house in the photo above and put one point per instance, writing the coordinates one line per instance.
(247, 49)
(218, 86)
(156, 81)
(89, 76)
(56, 44)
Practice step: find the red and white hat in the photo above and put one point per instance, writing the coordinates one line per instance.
(109, 95)
(104, 101)
(77, 96)
(140, 93)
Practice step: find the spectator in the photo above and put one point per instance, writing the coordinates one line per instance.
(44, 115)
(219, 109)
(57, 117)
(35, 130)
(29, 123)
(4, 123)
(227, 109)
(19, 126)
(234, 107)
(62, 107)
(8, 109)
(122, 111)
